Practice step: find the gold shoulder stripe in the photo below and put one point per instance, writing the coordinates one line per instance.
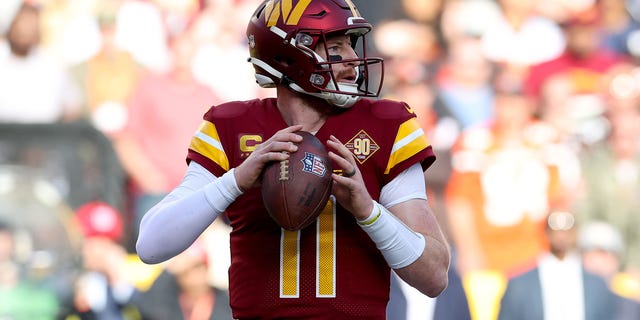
(409, 141)
(207, 142)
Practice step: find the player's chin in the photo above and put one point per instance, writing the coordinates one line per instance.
(348, 81)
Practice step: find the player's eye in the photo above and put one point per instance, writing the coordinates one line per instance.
(334, 49)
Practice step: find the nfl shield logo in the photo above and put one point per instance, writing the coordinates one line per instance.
(313, 164)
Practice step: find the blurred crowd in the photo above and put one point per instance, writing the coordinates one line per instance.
(532, 107)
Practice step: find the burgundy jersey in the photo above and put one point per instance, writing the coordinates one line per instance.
(331, 269)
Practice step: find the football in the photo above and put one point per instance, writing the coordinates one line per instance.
(296, 190)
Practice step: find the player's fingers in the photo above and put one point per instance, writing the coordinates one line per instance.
(340, 148)
(293, 128)
(341, 182)
(347, 169)
(342, 157)
(350, 173)
(287, 134)
(277, 147)
(275, 156)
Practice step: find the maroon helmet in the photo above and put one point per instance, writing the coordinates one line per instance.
(282, 37)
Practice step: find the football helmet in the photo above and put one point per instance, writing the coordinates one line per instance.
(283, 35)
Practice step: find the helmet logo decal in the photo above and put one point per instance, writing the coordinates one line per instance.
(290, 14)
(354, 11)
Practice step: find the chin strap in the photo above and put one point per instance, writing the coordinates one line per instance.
(336, 99)
(340, 100)
(264, 81)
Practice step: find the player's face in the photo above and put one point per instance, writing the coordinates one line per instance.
(338, 48)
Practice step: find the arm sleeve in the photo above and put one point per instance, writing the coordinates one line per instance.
(177, 221)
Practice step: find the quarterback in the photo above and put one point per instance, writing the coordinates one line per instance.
(377, 218)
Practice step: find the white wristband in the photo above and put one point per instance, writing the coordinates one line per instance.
(399, 245)
(222, 192)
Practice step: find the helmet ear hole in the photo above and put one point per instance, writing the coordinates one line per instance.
(283, 61)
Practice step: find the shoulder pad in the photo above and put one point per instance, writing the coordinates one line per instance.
(231, 109)
(390, 109)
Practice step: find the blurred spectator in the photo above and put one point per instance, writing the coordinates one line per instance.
(558, 287)
(151, 144)
(463, 87)
(611, 177)
(7, 243)
(8, 9)
(141, 31)
(620, 30)
(103, 289)
(467, 18)
(555, 107)
(505, 177)
(34, 88)
(70, 29)
(407, 303)
(584, 59)
(183, 290)
(464, 98)
(220, 60)
(423, 11)
(411, 51)
(109, 76)
(602, 251)
(520, 37)
(20, 298)
(560, 10)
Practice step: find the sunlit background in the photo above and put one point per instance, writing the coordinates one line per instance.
(532, 108)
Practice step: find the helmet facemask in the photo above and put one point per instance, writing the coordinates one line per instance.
(283, 53)
(368, 71)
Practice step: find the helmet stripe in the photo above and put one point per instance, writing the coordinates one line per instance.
(290, 14)
(354, 11)
(273, 13)
(297, 12)
(286, 9)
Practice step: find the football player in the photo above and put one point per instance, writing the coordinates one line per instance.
(377, 219)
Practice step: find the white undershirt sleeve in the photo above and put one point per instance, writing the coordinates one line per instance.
(409, 184)
(177, 221)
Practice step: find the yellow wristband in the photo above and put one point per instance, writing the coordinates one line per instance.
(398, 243)
(373, 217)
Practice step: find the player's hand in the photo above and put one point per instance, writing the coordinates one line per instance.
(348, 187)
(276, 148)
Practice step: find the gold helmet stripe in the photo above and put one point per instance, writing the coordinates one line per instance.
(290, 14)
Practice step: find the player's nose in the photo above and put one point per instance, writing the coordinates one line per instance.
(350, 54)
